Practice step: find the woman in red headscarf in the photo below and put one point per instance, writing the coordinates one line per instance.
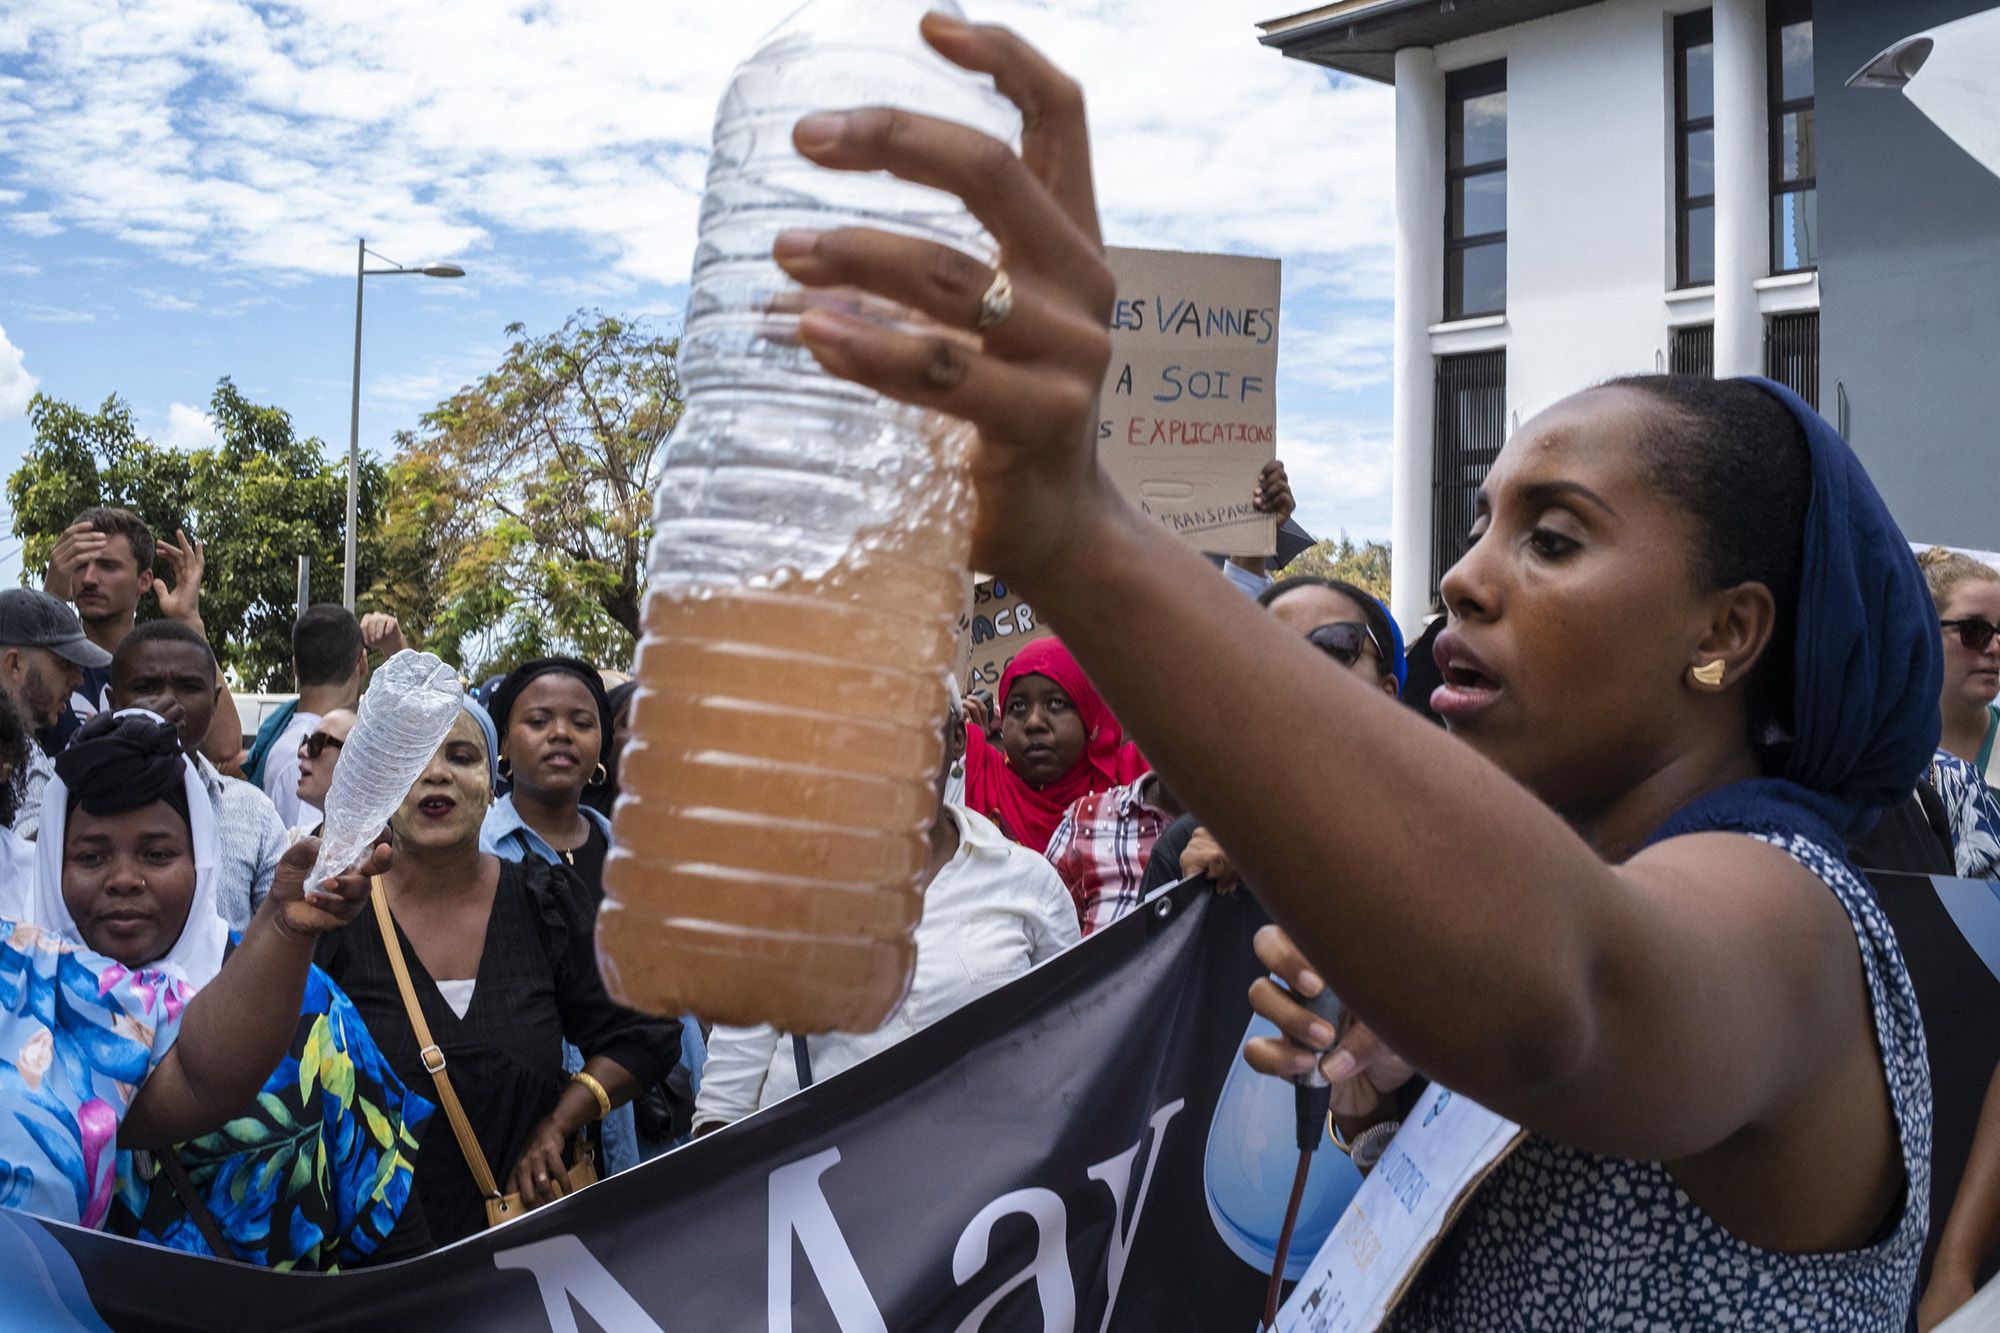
(1058, 743)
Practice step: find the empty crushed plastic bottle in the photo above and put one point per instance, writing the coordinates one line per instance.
(805, 581)
(411, 703)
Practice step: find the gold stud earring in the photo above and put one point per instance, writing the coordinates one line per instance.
(1709, 675)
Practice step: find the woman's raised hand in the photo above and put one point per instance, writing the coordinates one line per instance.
(329, 904)
(1028, 382)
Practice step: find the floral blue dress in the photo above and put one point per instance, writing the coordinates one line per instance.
(313, 1175)
(78, 1034)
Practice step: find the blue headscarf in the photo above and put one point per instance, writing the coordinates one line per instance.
(478, 713)
(1867, 660)
(1399, 656)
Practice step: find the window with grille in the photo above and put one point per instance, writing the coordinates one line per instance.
(1794, 157)
(1791, 353)
(1694, 149)
(1471, 427)
(1475, 210)
(1693, 351)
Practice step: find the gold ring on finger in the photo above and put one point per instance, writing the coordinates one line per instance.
(997, 303)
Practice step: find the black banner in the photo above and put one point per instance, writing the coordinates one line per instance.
(1039, 1160)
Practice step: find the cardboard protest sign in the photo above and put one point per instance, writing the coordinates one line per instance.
(1188, 416)
(998, 625)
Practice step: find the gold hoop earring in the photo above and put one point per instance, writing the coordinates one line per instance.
(601, 776)
(505, 769)
(1709, 675)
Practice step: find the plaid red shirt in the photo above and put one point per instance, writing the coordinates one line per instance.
(1100, 849)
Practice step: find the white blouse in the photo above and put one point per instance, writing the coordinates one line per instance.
(994, 911)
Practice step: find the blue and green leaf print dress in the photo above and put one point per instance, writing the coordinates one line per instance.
(312, 1175)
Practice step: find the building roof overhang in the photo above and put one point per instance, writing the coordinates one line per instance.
(1361, 37)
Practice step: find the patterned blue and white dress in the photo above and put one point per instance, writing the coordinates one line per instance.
(1559, 1238)
(1974, 812)
(78, 1034)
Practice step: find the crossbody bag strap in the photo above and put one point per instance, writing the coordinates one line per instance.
(432, 1055)
(197, 1210)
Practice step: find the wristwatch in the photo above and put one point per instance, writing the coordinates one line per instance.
(1368, 1145)
(1371, 1143)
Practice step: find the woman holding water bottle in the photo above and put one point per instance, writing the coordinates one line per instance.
(494, 963)
(1689, 653)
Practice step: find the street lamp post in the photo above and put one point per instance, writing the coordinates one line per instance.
(361, 272)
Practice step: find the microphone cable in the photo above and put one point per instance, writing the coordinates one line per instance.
(1310, 1099)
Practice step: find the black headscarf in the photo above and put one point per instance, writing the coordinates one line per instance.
(121, 762)
(502, 703)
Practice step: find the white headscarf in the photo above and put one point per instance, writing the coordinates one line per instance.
(197, 955)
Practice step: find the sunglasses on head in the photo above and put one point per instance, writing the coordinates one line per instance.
(317, 743)
(1973, 632)
(1342, 640)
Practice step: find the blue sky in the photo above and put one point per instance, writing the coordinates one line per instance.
(182, 183)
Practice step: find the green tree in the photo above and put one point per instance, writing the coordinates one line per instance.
(516, 517)
(1365, 566)
(259, 499)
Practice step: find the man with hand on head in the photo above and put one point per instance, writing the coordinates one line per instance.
(43, 656)
(103, 563)
(165, 667)
(330, 663)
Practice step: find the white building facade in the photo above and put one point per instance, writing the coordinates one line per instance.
(1582, 191)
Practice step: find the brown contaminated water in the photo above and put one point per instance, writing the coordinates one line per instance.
(769, 846)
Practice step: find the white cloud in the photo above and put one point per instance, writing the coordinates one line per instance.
(35, 224)
(37, 313)
(1349, 352)
(268, 136)
(189, 429)
(17, 386)
(1340, 474)
(160, 299)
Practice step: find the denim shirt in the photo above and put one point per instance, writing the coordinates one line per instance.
(507, 836)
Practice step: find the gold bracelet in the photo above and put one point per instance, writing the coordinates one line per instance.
(596, 1090)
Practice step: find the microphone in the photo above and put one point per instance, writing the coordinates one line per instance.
(1311, 1097)
(1310, 1091)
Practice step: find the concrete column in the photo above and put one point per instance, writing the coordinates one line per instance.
(1419, 304)
(1742, 185)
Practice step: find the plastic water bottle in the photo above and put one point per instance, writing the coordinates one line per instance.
(1248, 1166)
(805, 578)
(410, 706)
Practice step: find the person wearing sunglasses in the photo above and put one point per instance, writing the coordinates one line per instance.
(318, 753)
(1967, 593)
(1347, 623)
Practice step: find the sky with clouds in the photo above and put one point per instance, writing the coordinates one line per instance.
(182, 183)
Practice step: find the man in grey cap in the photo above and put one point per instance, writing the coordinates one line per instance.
(43, 653)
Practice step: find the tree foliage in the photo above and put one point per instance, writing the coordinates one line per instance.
(517, 516)
(259, 499)
(1365, 566)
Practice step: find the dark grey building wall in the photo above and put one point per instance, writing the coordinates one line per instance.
(1909, 282)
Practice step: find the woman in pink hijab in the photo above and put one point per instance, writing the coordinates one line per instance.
(1058, 742)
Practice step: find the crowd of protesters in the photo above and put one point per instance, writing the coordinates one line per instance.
(139, 845)
(1616, 895)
